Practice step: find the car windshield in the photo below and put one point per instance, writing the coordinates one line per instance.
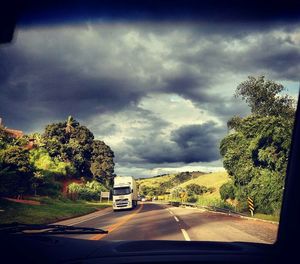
(121, 191)
(197, 116)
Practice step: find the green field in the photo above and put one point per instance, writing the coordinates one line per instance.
(50, 210)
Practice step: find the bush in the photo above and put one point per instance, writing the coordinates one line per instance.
(227, 191)
(182, 177)
(192, 199)
(196, 189)
(88, 191)
(209, 201)
(42, 161)
(50, 188)
(15, 171)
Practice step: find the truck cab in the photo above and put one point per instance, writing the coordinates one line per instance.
(124, 193)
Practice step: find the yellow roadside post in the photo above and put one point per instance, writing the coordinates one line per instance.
(251, 205)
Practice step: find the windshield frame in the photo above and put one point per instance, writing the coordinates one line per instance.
(125, 188)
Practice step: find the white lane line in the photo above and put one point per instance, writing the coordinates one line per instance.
(170, 212)
(185, 235)
(176, 219)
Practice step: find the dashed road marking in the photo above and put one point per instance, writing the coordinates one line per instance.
(170, 212)
(176, 219)
(185, 235)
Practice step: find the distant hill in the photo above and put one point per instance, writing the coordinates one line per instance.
(214, 180)
(160, 185)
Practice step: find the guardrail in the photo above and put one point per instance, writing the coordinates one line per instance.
(217, 209)
(210, 208)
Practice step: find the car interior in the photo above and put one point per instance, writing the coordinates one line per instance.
(16, 248)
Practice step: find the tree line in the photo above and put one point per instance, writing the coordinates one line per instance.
(64, 151)
(255, 151)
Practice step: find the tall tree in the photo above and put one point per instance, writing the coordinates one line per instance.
(70, 124)
(16, 171)
(264, 97)
(102, 164)
(255, 153)
(72, 142)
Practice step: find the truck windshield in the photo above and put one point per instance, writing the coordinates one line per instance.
(121, 191)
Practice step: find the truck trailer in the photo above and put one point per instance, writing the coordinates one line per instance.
(124, 193)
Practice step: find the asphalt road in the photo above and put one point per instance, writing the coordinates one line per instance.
(150, 221)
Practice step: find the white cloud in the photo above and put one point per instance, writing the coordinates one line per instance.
(137, 83)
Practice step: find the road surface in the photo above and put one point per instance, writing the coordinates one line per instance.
(151, 221)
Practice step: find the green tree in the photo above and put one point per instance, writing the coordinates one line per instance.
(264, 97)
(227, 191)
(102, 164)
(182, 177)
(16, 170)
(196, 189)
(70, 124)
(48, 166)
(255, 153)
(38, 139)
(91, 190)
(70, 142)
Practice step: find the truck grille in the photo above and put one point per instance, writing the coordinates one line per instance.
(122, 202)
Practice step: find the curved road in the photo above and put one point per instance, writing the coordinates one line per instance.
(150, 221)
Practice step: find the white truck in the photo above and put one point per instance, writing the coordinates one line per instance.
(124, 193)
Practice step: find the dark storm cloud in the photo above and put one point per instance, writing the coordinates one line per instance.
(99, 70)
(279, 56)
(204, 135)
(59, 76)
(191, 143)
(47, 88)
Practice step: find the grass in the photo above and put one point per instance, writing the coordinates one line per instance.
(51, 210)
(274, 218)
(215, 179)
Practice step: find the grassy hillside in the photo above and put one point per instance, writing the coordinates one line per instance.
(167, 183)
(155, 182)
(215, 180)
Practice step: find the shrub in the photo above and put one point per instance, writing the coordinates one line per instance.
(88, 191)
(196, 189)
(227, 191)
(192, 199)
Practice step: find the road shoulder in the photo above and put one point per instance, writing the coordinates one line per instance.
(84, 218)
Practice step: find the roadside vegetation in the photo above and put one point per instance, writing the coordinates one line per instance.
(64, 168)
(40, 164)
(50, 210)
(255, 152)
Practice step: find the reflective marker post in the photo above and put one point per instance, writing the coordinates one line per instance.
(251, 205)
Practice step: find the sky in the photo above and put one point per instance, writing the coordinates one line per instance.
(158, 93)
